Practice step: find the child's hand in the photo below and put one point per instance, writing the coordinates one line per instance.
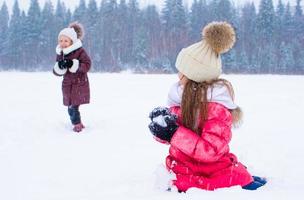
(164, 133)
(61, 64)
(163, 125)
(159, 111)
(68, 63)
(65, 64)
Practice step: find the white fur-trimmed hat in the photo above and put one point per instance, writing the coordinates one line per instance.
(202, 61)
(69, 32)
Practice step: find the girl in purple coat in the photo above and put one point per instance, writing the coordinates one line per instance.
(73, 63)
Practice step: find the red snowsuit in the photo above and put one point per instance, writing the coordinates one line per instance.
(204, 160)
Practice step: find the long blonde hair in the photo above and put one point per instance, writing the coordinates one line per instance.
(195, 103)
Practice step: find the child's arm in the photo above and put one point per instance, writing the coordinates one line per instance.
(82, 64)
(204, 149)
(208, 147)
(57, 70)
(163, 124)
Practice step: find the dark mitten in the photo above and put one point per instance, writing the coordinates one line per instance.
(61, 64)
(164, 127)
(68, 63)
(159, 111)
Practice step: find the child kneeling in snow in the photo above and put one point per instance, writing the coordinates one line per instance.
(198, 123)
(73, 63)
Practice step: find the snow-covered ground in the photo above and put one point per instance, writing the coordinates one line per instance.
(115, 157)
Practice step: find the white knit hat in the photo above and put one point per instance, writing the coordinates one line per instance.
(202, 61)
(69, 32)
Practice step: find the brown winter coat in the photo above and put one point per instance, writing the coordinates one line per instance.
(75, 86)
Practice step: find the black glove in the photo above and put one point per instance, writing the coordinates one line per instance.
(68, 63)
(61, 64)
(159, 111)
(163, 125)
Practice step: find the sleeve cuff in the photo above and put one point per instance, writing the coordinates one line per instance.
(75, 66)
(59, 71)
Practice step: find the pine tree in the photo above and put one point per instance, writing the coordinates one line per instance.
(266, 59)
(287, 61)
(176, 29)
(242, 64)
(4, 20)
(194, 20)
(123, 26)
(300, 62)
(14, 49)
(92, 33)
(298, 24)
(80, 12)
(278, 34)
(47, 37)
(140, 49)
(23, 60)
(247, 38)
(279, 26)
(265, 28)
(134, 24)
(199, 17)
(229, 61)
(60, 15)
(298, 12)
(109, 55)
(265, 21)
(288, 25)
(33, 28)
(166, 14)
(151, 26)
(224, 10)
(67, 17)
(213, 6)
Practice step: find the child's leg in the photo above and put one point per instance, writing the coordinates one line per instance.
(75, 118)
(74, 114)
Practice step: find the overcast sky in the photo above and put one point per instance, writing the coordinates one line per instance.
(24, 4)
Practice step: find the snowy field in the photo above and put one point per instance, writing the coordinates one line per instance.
(115, 157)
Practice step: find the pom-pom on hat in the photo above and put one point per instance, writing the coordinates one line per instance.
(74, 32)
(78, 28)
(202, 61)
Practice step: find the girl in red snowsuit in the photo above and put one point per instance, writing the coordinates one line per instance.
(201, 113)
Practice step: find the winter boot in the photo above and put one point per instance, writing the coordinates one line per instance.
(256, 183)
(260, 179)
(78, 127)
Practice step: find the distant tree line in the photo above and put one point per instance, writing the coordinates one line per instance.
(121, 36)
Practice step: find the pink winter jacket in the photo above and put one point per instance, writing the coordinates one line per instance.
(204, 160)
